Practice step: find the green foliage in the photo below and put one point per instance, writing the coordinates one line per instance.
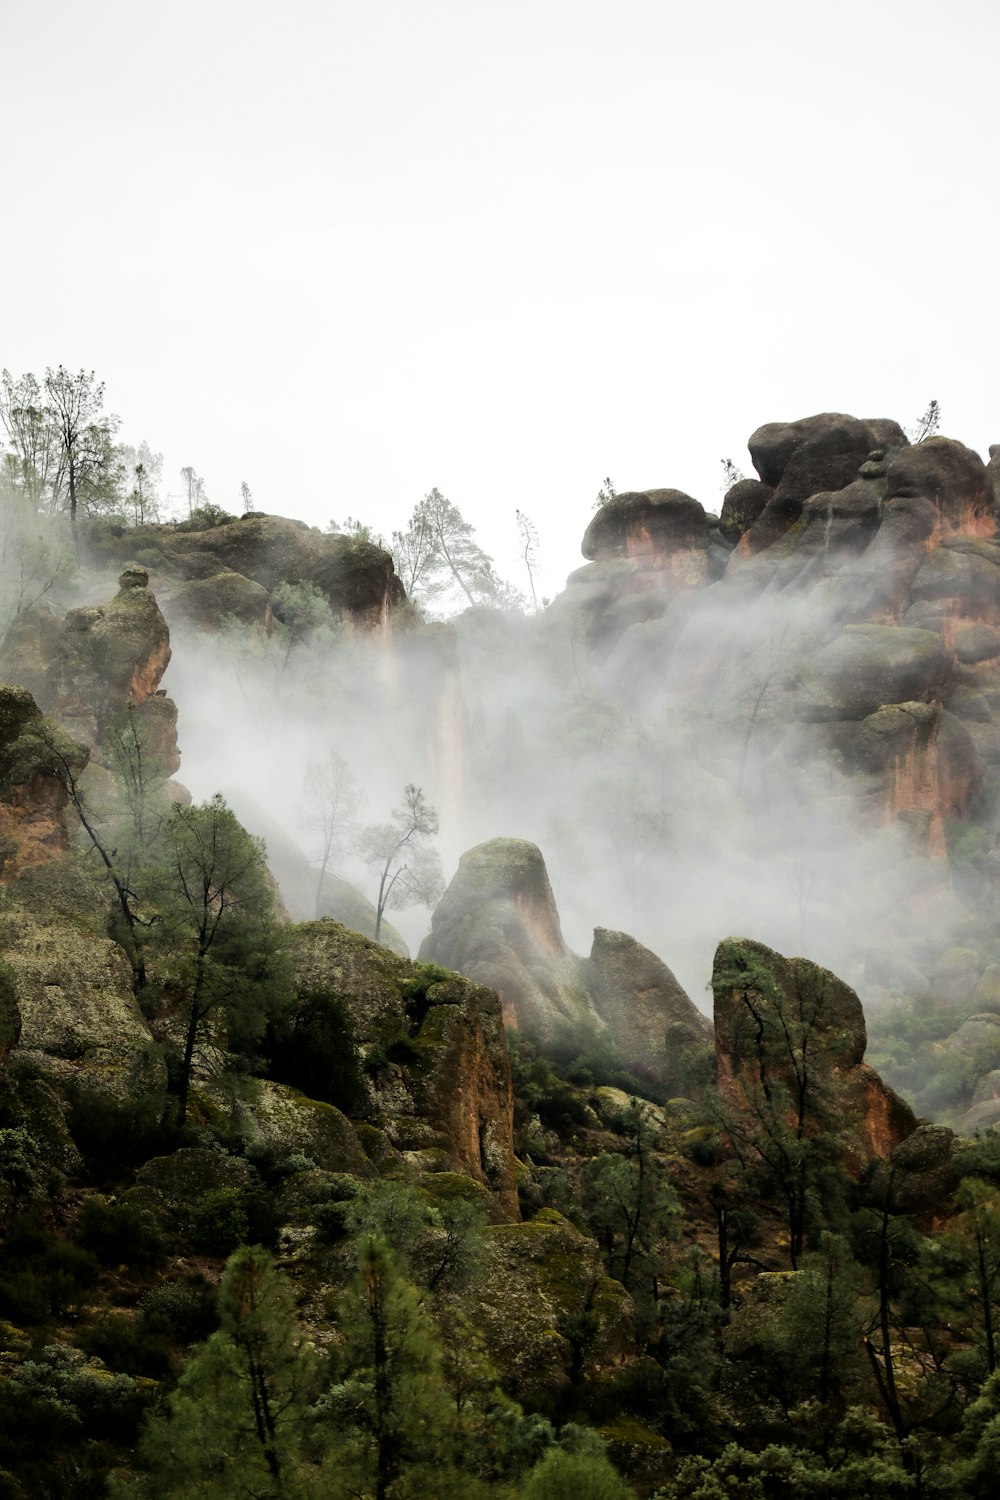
(41, 1276)
(238, 1423)
(219, 1222)
(181, 1311)
(388, 1414)
(205, 517)
(310, 1044)
(575, 1476)
(630, 1204)
(120, 1234)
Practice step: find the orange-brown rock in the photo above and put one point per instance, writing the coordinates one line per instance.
(436, 1055)
(790, 1041)
(34, 757)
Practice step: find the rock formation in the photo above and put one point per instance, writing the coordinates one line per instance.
(790, 1041)
(357, 578)
(98, 663)
(497, 923)
(436, 1056)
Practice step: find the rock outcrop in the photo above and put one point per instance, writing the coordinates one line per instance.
(357, 578)
(790, 1041)
(655, 1025)
(435, 1055)
(97, 664)
(498, 923)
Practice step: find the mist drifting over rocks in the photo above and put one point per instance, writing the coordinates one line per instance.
(767, 725)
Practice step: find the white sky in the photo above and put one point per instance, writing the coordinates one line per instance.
(351, 250)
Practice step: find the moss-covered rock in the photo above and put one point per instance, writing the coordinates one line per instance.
(357, 577)
(790, 1022)
(433, 1050)
(548, 1308)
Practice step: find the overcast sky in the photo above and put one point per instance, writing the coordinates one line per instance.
(348, 250)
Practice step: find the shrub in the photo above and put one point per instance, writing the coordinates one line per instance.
(220, 1223)
(41, 1275)
(121, 1234)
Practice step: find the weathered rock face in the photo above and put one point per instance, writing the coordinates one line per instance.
(226, 599)
(951, 477)
(868, 666)
(543, 1275)
(808, 457)
(80, 1022)
(32, 787)
(653, 1022)
(357, 578)
(435, 1053)
(497, 923)
(787, 1023)
(87, 669)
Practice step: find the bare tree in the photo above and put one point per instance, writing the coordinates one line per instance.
(409, 869)
(85, 435)
(332, 800)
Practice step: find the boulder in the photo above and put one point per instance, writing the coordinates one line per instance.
(544, 1277)
(656, 1027)
(867, 666)
(787, 1021)
(497, 923)
(218, 603)
(952, 477)
(664, 528)
(802, 458)
(744, 502)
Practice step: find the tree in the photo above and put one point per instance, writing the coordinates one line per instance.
(143, 469)
(408, 868)
(332, 800)
(239, 1423)
(927, 423)
(575, 1476)
(630, 1204)
(37, 459)
(85, 436)
(215, 934)
(605, 495)
(194, 487)
(389, 1408)
(69, 760)
(529, 550)
(438, 552)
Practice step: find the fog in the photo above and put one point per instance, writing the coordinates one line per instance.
(666, 775)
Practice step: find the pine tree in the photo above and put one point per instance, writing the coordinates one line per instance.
(240, 1422)
(389, 1414)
